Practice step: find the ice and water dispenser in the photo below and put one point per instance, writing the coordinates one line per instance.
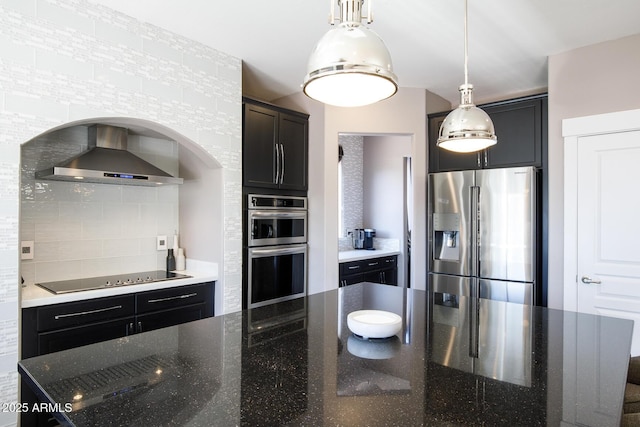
(446, 242)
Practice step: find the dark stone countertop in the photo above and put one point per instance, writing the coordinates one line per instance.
(296, 363)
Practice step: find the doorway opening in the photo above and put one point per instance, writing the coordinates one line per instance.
(375, 191)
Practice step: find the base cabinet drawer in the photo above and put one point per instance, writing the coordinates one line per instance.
(59, 316)
(171, 317)
(49, 342)
(377, 270)
(172, 298)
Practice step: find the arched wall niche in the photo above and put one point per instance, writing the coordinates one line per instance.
(87, 230)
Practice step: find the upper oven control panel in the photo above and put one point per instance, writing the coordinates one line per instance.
(259, 201)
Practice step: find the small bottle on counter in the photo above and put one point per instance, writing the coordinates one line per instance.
(171, 260)
(181, 261)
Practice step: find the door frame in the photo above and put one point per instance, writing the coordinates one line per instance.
(572, 131)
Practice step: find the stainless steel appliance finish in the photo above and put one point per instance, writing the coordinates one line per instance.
(105, 282)
(483, 226)
(495, 343)
(276, 249)
(357, 238)
(108, 162)
(276, 220)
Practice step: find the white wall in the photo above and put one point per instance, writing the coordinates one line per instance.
(596, 79)
(69, 61)
(384, 198)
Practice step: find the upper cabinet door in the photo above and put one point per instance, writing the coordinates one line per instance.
(274, 147)
(293, 139)
(259, 140)
(520, 126)
(519, 129)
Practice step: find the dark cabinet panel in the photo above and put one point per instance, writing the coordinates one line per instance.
(294, 140)
(64, 339)
(171, 317)
(58, 327)
(260, 135)
(60, 316)
(519, 130)
(520, 125)
(275, 147)
(171, 298)
(378, 270)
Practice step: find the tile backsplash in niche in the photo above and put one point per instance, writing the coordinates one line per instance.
(84, 229)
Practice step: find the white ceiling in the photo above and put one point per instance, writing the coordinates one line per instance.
(509, 40)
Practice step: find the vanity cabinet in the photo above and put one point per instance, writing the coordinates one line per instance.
(520, 125)
(382, 270)
(57, 327)
(274, 147)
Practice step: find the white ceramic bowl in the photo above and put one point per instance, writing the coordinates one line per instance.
(374, 323)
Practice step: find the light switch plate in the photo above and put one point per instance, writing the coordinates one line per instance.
(161, 244)
(26, 249)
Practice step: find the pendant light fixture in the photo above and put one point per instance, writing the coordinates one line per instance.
(467, 128)
(350, 66)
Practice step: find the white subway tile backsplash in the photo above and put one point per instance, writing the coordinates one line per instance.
(98, 229)
(57, 270)
(80, 249)
(46, 251)
(133, 194)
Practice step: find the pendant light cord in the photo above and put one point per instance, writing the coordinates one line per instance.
(466, 49)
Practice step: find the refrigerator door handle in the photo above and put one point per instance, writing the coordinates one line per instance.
(475, 223)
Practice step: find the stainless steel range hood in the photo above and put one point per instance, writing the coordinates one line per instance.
(108, 162)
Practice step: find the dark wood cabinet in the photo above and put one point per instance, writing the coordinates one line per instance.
(275, 147)
(57, 327)
(378, 270)
(172, 306)
(520, 126)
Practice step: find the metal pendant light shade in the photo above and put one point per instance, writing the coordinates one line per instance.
(350, 66)
(467, 128)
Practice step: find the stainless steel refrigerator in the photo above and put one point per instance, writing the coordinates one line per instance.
(482, 246)
(482, 233)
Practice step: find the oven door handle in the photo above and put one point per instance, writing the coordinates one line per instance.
(278, 251)
(277, 215)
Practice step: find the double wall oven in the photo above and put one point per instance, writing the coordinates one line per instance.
(275, 249)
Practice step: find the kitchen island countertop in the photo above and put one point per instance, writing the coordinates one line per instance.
(455, 362)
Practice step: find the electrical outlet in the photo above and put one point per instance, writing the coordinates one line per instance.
(161, 243)
(26, 249)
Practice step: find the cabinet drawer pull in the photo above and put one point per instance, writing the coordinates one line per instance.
(371, 264)
(353, 267)
(84, 313)
(172, 298)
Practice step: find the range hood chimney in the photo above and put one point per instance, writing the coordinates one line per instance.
(108, 162)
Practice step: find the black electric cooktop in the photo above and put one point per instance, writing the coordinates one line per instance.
(104, 282)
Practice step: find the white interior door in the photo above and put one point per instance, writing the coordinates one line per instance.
(608, 227)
